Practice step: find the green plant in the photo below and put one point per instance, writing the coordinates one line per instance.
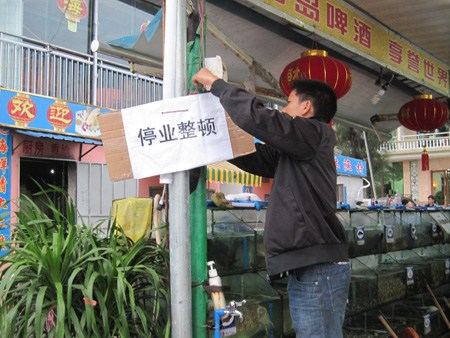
(439, 196)
(62, 279)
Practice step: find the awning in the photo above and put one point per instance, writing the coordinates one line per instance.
(58, 136)
(225, 172)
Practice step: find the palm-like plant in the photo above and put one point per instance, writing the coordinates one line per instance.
(60, 279)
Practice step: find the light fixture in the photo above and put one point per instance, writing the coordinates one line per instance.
(376, 98)
(383, 87)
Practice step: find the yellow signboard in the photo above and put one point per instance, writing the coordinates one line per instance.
(354, 29)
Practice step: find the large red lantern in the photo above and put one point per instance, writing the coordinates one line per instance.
(423, 114)
(317, 65)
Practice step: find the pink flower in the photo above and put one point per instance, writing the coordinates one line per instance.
(87, 301)
(50, 322)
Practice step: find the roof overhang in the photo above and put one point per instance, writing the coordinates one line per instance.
(271, 41)
(61, 137)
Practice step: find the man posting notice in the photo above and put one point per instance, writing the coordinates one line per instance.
(302, 235)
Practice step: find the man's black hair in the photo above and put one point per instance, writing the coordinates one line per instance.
(321, 95)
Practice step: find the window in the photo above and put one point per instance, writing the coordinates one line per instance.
(440, 186)
(44, 21)
(119, 19)
(340, 193)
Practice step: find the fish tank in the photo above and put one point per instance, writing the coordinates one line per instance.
(365, 240)
(417, 270)
(344, 217)
(376, 280)
(411, 216)
(364, 325)
(363, 293)
(392, 285)
(391, 216)
(439, 264)
(364, 217)
(231, 241)
(421, 233)
(262, 311)
(397, 236)
(415, 313)
(440, 225)
(260, 256)
(280, 286)
(363, 231)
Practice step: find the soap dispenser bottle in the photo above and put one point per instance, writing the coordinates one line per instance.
(218, 297)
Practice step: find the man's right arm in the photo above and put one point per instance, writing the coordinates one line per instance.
(263, 162)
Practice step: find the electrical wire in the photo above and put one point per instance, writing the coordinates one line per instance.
(60, 22)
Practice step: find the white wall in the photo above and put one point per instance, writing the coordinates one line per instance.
(352, 184)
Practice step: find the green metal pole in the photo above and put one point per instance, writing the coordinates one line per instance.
(198, 257)
(195, 41)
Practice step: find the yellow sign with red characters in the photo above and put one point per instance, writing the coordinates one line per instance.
(356, 31)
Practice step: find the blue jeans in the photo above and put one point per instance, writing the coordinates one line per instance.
(318, 298)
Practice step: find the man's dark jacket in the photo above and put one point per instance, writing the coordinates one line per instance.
(301, 226)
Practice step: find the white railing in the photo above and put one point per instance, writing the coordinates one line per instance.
(412, 143)
(39, 68)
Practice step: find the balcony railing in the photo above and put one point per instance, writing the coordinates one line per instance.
(39, 68)
(414, 143)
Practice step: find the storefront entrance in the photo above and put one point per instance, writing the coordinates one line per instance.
(42, 172)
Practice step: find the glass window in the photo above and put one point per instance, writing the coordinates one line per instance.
(340, 193)
(440, 186)
(68, 23)
(47, 21)
(123, 18)
(118, 19)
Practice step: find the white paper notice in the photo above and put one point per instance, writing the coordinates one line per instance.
(176, 134)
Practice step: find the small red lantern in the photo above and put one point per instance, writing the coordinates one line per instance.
(317, 65)
(423, 114)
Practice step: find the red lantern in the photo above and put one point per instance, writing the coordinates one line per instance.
(425, 160)
(22, 109)
(317, 65)
(59, 115)
(74, 10)
(423, 114)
